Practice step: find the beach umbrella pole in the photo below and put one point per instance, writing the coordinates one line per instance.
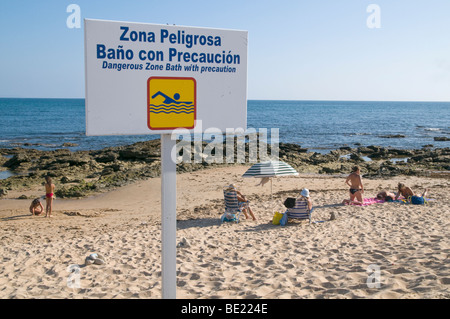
(271, 193)
(168, 218)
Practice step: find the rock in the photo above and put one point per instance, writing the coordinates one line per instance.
(145, 151)
(94, 258)
(330, 170)
(107, 157)
(393, 136)
(374, 148)
(67, 144)
(421, 158)
(441, 159)
(441, 139)
(17, 160)
(74, 159)
(287, 148)
(183, 243)
(379, 153)
(355, 157)
(65, 180)
(400, 152)
(364, 150)
(79, 190)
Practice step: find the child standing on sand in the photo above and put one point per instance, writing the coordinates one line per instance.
(356, 186)
(49, 190)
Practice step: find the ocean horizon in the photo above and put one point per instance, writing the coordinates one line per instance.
(321, 126)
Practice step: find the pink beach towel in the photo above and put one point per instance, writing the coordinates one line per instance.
(369, 201)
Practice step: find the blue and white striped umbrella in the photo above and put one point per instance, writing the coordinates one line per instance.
(270, 169)
(267, 170)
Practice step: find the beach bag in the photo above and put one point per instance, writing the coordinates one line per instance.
(289, 202)
(276, 218)
(284, 219)
(416, 200)
(229, 217)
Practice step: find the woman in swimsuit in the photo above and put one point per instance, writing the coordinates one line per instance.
(385, 195)
(356, 186)
(49, 190)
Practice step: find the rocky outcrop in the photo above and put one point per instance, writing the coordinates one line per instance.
(83, 172)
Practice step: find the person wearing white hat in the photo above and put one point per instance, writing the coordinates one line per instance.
(305, 197)
(305, 192)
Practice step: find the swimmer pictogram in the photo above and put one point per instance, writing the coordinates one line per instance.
(171, 103)
(169, 100)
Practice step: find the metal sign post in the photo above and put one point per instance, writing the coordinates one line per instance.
(168, 218)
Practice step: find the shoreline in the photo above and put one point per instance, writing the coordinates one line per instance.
(82, 173)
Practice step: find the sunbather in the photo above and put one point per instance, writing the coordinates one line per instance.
(242, 199)
(356, 186)
(385, 195)
(408, 193)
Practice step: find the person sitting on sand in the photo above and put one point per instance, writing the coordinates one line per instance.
(36, 207)
(356, 186)
(385, 195)
(407, 193)
(49, 191)
(304, 196)
(242, 199)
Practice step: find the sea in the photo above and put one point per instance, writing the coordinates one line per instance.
(320, 126)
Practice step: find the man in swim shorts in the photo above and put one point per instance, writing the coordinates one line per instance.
(408, 193)
(356, 186)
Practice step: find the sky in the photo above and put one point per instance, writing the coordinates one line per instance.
(297, 50)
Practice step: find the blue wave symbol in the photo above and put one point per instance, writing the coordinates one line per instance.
(172, 108)
(172, 111)
(172, 105)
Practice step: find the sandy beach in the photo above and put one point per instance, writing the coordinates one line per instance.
(253, 259)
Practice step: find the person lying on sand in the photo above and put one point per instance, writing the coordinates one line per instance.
(385, 195)
(242, 199)
(408, 193)
(36, 207)
(349, 201)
